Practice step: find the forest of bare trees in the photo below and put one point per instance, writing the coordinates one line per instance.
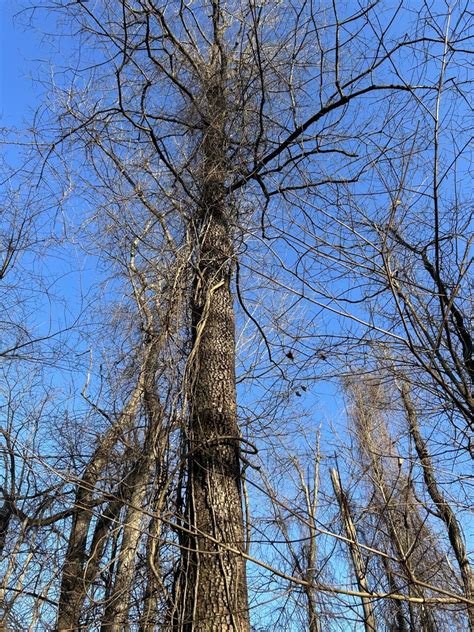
(237, 372)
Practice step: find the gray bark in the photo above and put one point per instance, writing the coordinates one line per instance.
(213, 581)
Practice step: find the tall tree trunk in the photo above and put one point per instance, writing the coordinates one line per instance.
(213, 588)
(215, 576)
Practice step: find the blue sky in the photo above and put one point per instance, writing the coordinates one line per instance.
(19, 48)
(26, 52)
(26, 55)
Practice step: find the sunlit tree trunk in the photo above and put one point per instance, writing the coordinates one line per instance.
(357, 560)
(116, 616)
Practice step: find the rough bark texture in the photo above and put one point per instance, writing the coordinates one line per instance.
(214, 592)
(215, 583)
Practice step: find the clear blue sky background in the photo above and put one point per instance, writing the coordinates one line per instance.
(26, 53)
(18, 49)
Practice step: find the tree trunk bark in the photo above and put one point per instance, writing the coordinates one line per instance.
(213, 587)
(215, 593)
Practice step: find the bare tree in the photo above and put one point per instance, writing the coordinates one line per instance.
(357, 559)
(414, 562)
(445, 511)
(218, 154)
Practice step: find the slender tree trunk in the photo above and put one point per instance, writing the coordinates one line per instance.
(357, 559)
(310, 559)
(73, 582)
(403, 523)
(154, 589)
(310, 589)
(403, 536)
(444, 509)
(116, 616)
